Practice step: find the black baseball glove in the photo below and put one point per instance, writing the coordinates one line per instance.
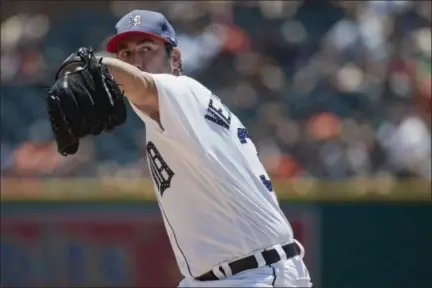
(84, 100)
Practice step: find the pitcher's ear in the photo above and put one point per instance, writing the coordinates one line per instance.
(176, 63)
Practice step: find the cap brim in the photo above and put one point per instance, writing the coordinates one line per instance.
(114, 41)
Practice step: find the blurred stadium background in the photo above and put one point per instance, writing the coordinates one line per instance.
(335, 94)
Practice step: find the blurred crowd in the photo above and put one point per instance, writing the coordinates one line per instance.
(327, 89)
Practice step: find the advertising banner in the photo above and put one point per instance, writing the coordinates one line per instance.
(103, 248)
(96, 244)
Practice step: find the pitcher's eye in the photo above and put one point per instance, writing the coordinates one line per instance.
(145, 49)
(125, 54)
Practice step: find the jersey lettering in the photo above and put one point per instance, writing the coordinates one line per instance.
(218, 113)
(267, 183)
(161, 173)
(242, 134)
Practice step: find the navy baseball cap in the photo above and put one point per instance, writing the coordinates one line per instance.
(142, 22)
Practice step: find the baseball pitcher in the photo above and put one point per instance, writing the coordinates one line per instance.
(217, 201)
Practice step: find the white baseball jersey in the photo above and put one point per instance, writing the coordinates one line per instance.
(215, 196)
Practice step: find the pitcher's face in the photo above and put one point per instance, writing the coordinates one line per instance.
(146, 53)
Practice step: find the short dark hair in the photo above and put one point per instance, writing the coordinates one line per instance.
(168, 48)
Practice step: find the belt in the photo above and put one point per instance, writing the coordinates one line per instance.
(270, 256)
